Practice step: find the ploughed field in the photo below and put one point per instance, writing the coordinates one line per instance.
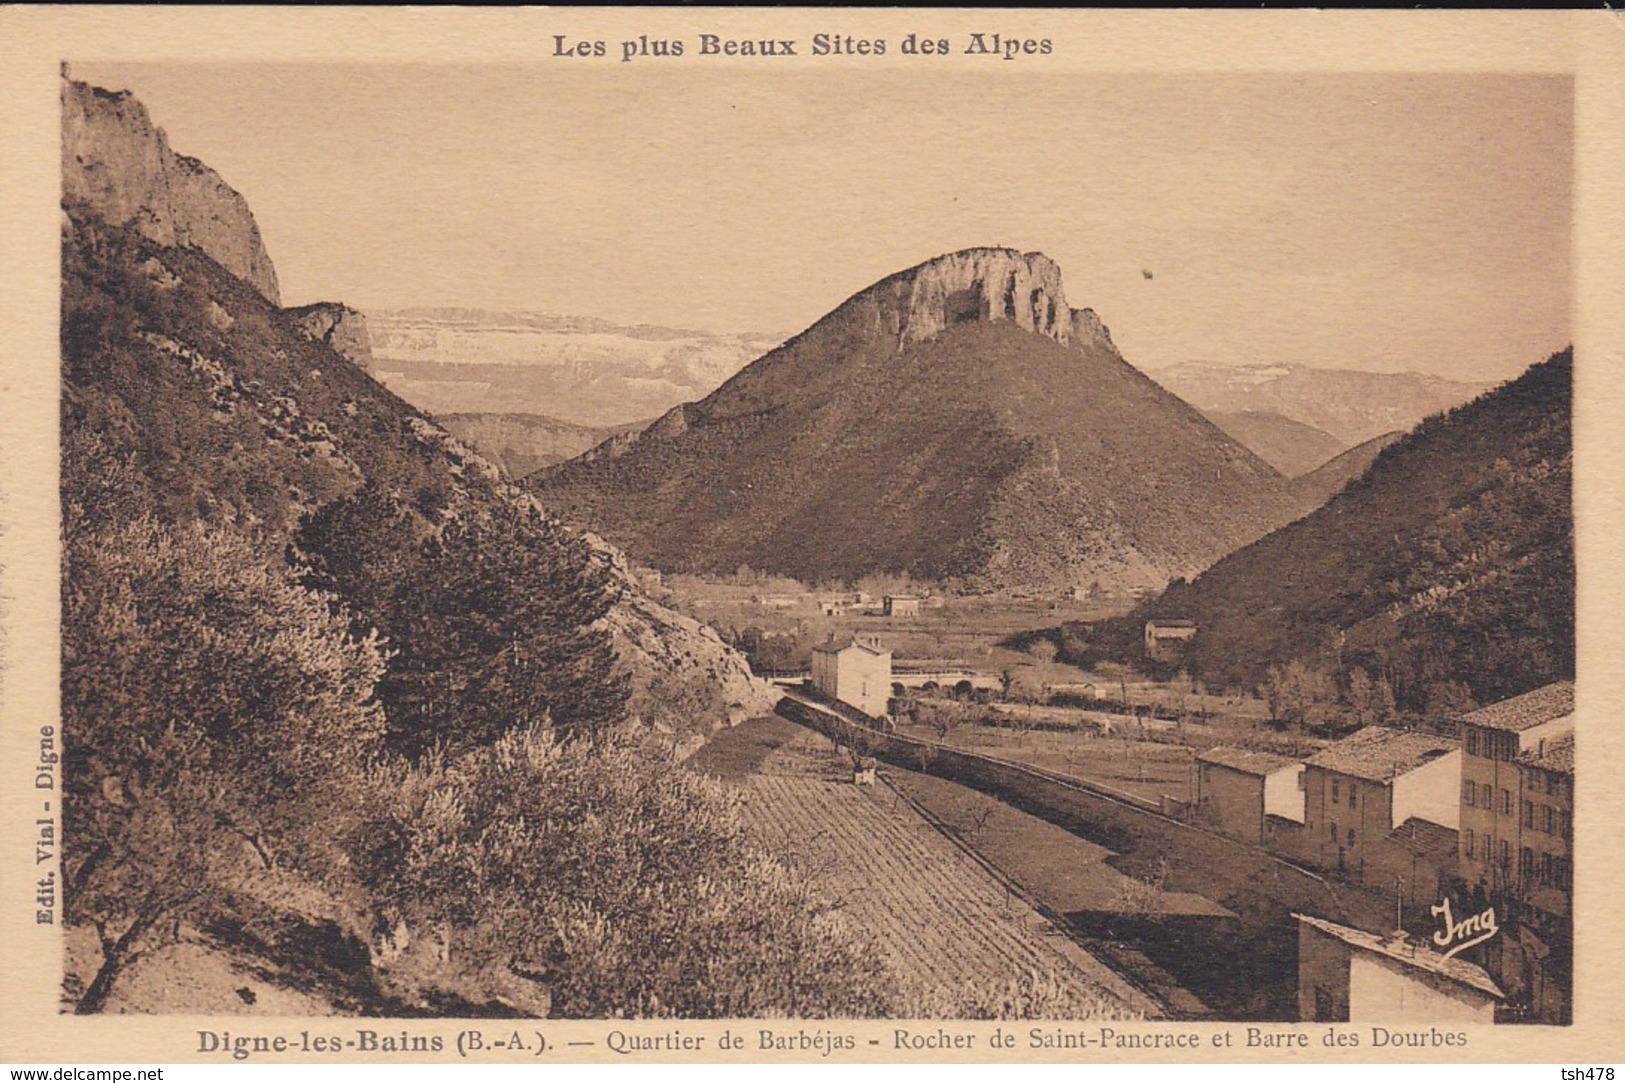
(943, 921)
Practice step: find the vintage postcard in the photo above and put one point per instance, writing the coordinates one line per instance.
(763, 535)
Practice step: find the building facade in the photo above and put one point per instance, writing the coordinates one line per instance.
(854, 672)
(900, 605)
(1346, 975)
(1234, 791)
(1359, 790)
(1517, 823)
(1491, 780)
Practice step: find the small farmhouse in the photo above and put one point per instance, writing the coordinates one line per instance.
(1237, 789)
(1349, 976)
(1168, 640)
(900, 605)
(856, 672)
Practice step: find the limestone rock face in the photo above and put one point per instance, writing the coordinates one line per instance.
(1088, 333)
(115, 162)
(338, 325)
(975, 284)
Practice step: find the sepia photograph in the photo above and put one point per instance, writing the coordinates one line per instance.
(706, 526)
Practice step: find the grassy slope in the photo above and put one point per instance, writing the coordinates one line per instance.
(1290, 446)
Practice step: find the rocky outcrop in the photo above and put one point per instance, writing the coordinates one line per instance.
(338, 325)
(1088, 333)
(962, 287)
(119, 166)
(657, 642)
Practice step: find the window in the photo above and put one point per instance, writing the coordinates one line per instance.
(1488, 797)
(1335, 786)
(1547, 869)
(1334, 832)
(1469, 791)
(1526, 863)
(1486, 847)
(1506, 854)
(1351, 838)
(1467, 842)
(1352, 788)
(1548, 819)
(1551, 784)
(1529, 814)
(1472, 741)
(1506, 802)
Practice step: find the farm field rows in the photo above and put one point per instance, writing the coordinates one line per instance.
(944, 921)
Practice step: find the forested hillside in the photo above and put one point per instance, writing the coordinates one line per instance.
(1446, 570)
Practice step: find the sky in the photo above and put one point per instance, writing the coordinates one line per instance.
(1388, 222)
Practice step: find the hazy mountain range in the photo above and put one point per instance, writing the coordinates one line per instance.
(579, 370)
(1351, 406)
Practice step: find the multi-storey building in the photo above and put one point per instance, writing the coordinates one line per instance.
(856, 672)
(1493, 738)
(1360, 790)
(1517, 809)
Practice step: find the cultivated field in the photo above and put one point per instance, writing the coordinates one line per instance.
(946, 924)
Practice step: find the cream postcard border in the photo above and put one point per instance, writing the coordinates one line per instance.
(33, 40)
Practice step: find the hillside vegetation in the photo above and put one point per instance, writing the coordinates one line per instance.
(1445, 570)
(344, 708)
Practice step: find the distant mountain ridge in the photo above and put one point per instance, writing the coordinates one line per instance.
(1322, 483)
(580, 370)
(1352, 405)
(957, 421)
(1290, 446)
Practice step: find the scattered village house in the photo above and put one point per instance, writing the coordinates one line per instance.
(1347, 975)
(1168, 640)
(856, 672)
(1517, 816)
(1360, 796)
(900, 605)
(1237, 791)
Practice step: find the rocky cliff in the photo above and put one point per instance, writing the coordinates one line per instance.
(338, 325)
(976, 284)
(116, 163)
(236, 410)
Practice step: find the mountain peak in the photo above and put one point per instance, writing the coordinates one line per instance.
(974, 284)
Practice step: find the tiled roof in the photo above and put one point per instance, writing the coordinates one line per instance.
(1247, 761)
(1425, 836)
(1378, 754)
(1410, 953)
(1556, 754)
(836, 646)
(1530, 709)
